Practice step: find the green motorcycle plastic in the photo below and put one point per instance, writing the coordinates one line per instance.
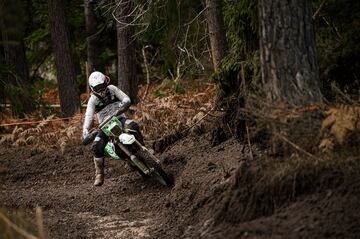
(124, 146)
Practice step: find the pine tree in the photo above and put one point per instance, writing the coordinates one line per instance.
(68, 92)
(288, 55)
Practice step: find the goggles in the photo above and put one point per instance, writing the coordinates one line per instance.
(99, 88)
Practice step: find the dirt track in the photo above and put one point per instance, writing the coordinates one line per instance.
(219, 193)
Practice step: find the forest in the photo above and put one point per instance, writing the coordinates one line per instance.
(250, 108)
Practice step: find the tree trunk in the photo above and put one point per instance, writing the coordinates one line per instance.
(127, 79)
(13, 31)
(92, 39)
(287, 47)
(68, 92)
(217, 31)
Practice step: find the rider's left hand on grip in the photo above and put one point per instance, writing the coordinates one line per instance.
(85, 133)
(89, 138)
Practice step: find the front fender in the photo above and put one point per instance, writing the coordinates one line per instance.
(127, 138)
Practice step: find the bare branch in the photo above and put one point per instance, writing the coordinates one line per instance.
(318, 10)
(40, 222)
(197, 16)
(147, 71)
(248, 139)
(298, 147)
(16, 228)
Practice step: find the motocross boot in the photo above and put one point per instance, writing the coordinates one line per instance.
(99, 171)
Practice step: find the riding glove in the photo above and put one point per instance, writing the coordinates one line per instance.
(85, 133)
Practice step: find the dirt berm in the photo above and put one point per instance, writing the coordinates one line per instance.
(219, 192)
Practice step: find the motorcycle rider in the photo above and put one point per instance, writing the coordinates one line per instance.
(105, 100)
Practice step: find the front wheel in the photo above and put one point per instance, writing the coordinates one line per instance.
(154, 165)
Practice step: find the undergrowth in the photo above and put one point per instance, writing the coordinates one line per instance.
(157, 115)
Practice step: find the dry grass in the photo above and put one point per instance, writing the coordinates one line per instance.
(164, 112)
(309, 131)
(49, 133)
(283, 128)
(161, 116)
(340, 127)
(157, 116)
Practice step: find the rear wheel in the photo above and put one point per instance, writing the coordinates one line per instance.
(154, 164)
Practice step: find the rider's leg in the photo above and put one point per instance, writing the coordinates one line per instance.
(98, 148)
(99, 171)
(130, 124)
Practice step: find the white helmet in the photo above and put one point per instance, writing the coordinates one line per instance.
(98, 82)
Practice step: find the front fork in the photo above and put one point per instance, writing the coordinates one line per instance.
(134, 159)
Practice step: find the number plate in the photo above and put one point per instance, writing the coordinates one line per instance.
(113, 127)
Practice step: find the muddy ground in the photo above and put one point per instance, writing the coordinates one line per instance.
(220, 192)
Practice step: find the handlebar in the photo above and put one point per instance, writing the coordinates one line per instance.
(93, 134)
(118, 113)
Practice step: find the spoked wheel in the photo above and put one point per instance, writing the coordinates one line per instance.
(154, 164)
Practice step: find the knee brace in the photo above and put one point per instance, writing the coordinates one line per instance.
(130, 124)
(98, 147)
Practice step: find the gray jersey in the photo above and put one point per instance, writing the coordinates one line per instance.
(106, 111)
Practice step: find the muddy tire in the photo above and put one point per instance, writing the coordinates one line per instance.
(141, 173)
(153, 163)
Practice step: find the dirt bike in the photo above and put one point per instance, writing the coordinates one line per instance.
(123, 145)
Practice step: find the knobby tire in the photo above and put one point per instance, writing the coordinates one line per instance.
(158, 174)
